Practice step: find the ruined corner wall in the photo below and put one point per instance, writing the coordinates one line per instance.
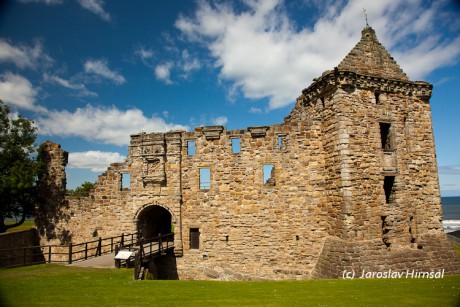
(51, 187)
(381, 175)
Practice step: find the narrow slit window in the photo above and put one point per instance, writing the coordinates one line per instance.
(281, 141)
(236, 146)
(205, 178)
(385, 231)
(190, 148)
(269, 175)
(377, 97)
(388, 187)
(386, 136)
(194, 238)
(125, 181)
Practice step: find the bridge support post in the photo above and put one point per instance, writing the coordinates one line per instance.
(117, 261)
(137, 265)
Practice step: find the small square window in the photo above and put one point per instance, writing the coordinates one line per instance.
(388, 187)
(236, 146)
(125, 181)
(269, 175)
(194, 238)
(190, 148)
(386, 135)
(205, 178)
(281, 142)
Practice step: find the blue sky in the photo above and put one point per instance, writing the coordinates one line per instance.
(92, 72)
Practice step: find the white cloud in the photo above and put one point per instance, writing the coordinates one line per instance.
(255, 110)
(96, 7)
(18, 91)
(450, 169)
(80, 88)
(220, 121)
(23, 56)
(189, 63)
(144, 54)
(108, 125)
(100, 68)
(163, 72)
(262, 53)
(96, 161)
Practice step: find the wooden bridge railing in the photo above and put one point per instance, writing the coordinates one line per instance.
(149, 248)
(64, 253)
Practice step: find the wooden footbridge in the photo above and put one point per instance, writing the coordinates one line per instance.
(130, 250)
(140, 253)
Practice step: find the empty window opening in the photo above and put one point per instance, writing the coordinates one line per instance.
(190, 148)
(269, 175)
(388, 186)
(194, 238)
(236, 146)
(386, 136)
(205, 178)
(281, 142)
(411, 232)
(377, 97)
(385, 231)
(125, 181)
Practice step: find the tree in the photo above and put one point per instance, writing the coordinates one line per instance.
(18, 167)
(81, 191)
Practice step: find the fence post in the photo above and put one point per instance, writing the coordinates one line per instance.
(70, 253)
(86, 250)
(137, 265)
(99, 247)
(159, 243)
(49, 254)
(122, 243)
(24, 256)
(117, 261)
(111, 244)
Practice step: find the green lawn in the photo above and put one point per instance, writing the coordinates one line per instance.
(24, 226)
(63, 286)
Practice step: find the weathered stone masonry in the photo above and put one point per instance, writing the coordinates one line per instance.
(353, 185)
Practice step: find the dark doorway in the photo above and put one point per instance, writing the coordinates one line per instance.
(154, 220)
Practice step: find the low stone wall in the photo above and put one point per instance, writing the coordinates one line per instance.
(13, 251)
(433, 253)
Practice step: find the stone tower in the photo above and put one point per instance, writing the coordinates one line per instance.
(380, 166)
(348, 181)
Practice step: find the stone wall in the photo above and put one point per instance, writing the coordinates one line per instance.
(13, 251)
(352, 184)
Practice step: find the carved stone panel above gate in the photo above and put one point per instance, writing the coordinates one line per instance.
(154, 170)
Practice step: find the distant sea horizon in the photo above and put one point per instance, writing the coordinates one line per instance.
(451, 213)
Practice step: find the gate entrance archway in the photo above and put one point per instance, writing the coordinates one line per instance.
(154, 220)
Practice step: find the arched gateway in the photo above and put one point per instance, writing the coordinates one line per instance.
(154, 220)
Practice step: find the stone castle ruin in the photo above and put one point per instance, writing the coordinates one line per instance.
(347, 181)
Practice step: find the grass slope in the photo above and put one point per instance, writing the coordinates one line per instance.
(24, 226)
(59, 286)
